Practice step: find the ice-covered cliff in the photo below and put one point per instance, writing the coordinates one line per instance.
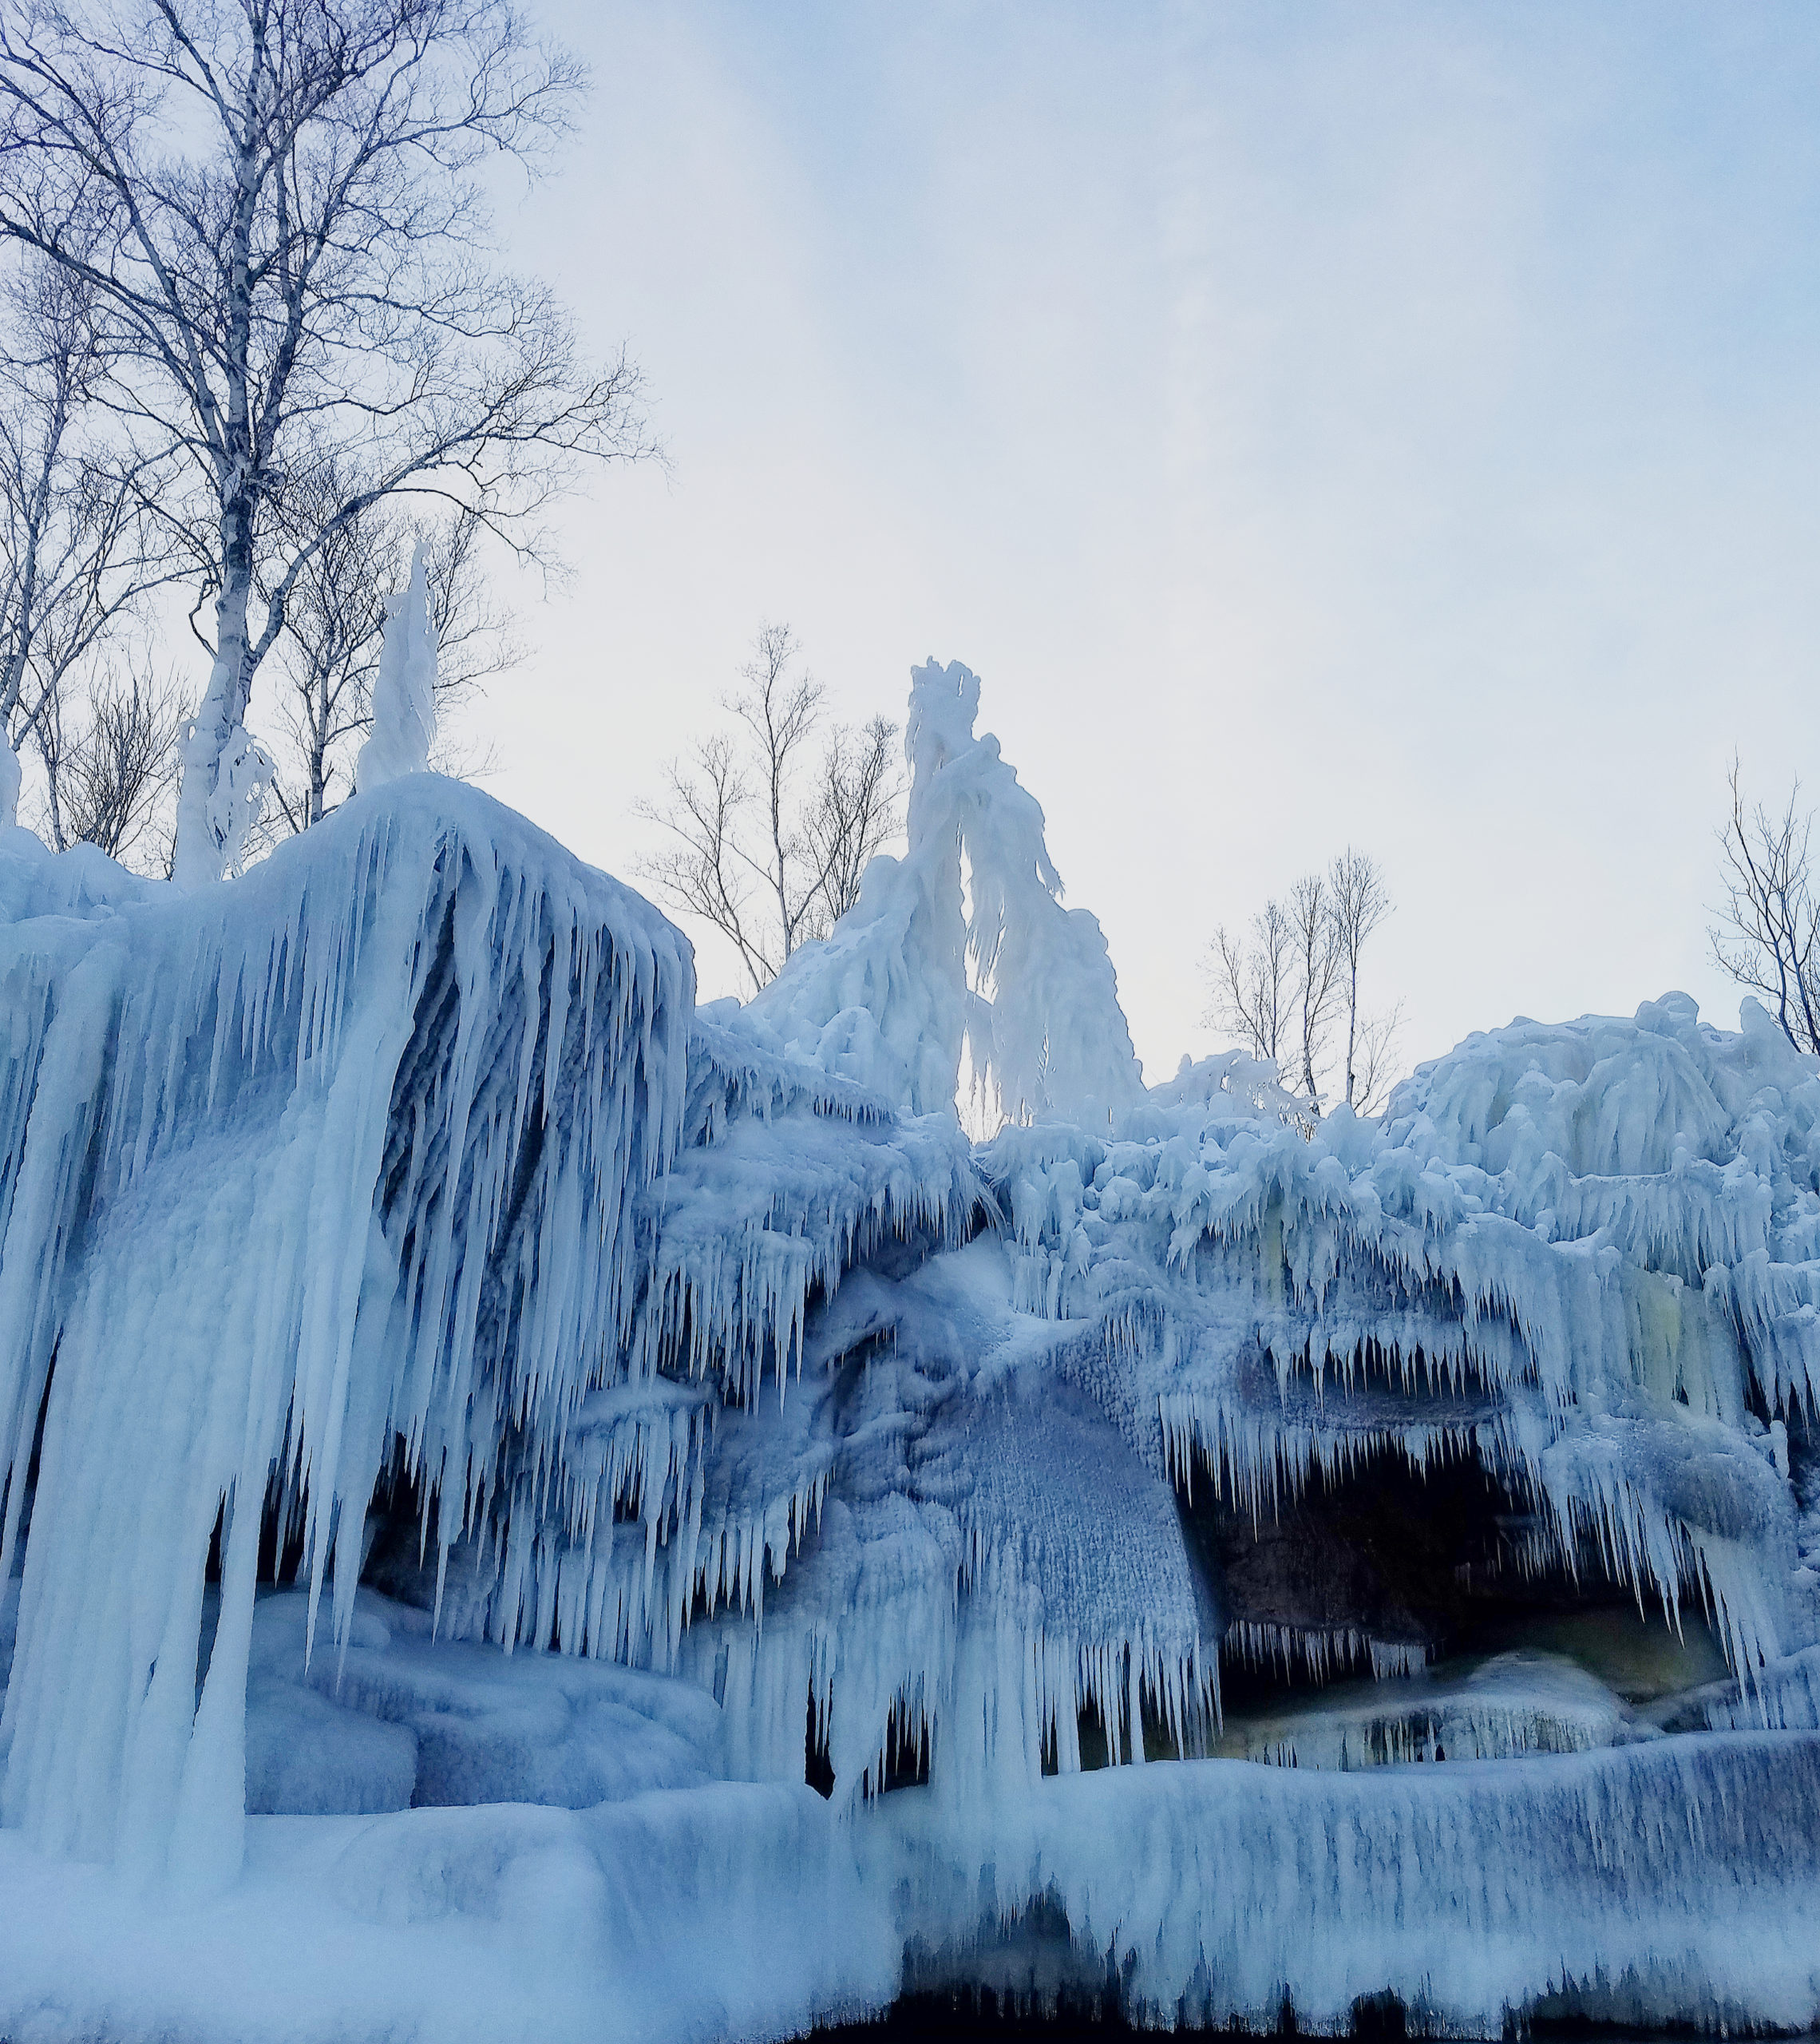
(525, 1498)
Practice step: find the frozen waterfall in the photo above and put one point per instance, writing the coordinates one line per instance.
(525, 1496)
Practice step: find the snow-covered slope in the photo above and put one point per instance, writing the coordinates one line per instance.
(629, 1500)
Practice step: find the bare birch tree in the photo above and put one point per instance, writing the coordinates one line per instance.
(77, 550)
(1314, 935)
(110, 766)
(1281, 989)
(277, 207)
(1375, 1058)
(1254, 984)
(326, 661)
(1360, 902)
(769, 838)
(1768, 936)
(853, 813)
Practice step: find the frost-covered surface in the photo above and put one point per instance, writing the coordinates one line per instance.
(551, 1500)
(1511, 1704)
(323, 1169)
(1635, 1887)
(404, 689)
(963, 945)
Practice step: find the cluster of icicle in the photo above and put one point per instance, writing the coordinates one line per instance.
(1585, 1252)
(331, 1166)
(407, 1156)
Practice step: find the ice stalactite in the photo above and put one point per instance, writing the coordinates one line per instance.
(396, 1209)
(342, 1155)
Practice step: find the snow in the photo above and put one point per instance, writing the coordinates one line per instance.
(401, 1718)
(552, 1498)
(1629, 1885)
(1512, 1703)
(11, 777)
(963, 947)
(404, 690)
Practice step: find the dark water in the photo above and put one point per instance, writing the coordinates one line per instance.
(982, 2019)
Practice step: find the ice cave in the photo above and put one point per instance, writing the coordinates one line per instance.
(534, 1508)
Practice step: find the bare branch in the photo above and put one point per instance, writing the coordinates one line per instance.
(852, 814)
(107, 780)
(769, 846)
(1280, 990)
(1253, 992)
(77, 551)
(327, 658)
(1375, 1059)
(276, 207)
(1770, 919)
(1317, 972)
(1359, 902)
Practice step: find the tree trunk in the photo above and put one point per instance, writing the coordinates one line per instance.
(197, 858)
(200, 838)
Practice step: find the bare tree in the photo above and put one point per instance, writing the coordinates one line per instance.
(277, 206)
(329, 654)
(1770, 919)
(1375, 1059)
(1281, 989)
(769, 866)
(853, 812)
(1359, 901)
(76, 550)
(1254, 984)
(1313, 934)
(107, 780)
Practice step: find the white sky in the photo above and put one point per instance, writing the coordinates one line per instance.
(1316, 424)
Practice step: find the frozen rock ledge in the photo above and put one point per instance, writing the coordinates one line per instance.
(534, 1509)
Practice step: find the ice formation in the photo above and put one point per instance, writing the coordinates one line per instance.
(404, 689)
(963, 948)
(10, 782)
(506, 1468)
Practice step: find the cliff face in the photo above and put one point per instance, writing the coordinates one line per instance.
(633, 1489)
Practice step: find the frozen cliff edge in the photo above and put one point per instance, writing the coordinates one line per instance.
(648, 1519)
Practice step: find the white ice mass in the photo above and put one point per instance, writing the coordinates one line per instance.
(404, 689)
(537, 1510)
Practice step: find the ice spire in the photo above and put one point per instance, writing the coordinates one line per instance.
(403, 696)
(964, 942)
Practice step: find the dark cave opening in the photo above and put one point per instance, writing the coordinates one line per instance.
(1434, 1562)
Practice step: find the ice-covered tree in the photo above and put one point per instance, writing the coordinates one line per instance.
(277, 207)
(768, 837)
(960, 956)
(404, 692)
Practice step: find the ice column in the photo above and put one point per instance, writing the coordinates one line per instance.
(404, 694)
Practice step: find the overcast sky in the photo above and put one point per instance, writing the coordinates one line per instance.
(1316, 424)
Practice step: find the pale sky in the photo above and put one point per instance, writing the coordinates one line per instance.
(1317, 424)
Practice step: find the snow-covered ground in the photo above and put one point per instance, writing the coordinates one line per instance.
(535, 1509)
